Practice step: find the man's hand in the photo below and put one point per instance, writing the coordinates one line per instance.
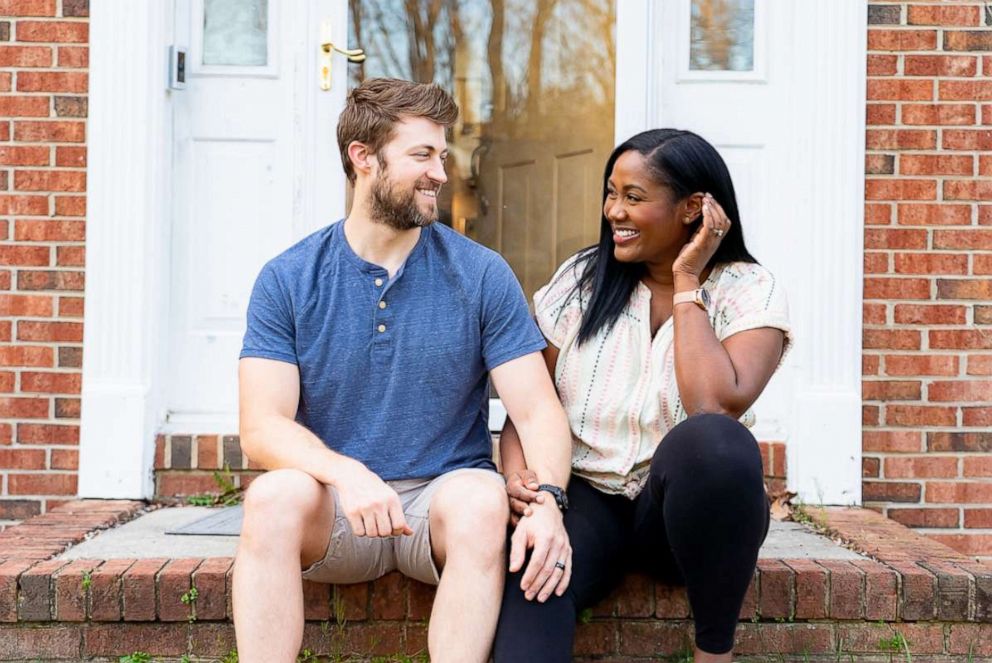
(369, 504)
(544, 532)
(521, 488)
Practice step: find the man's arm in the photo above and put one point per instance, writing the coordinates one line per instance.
(269, 394)
(521, 482)
(532, 404)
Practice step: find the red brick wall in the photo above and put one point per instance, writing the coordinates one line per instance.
(928, 269)
(44, 49)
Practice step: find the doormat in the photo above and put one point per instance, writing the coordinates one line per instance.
(225, 521)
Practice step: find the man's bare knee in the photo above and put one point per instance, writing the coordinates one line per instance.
(471, 514)
(282, 505)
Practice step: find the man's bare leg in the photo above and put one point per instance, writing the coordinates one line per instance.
(287, 525)
(468, 534)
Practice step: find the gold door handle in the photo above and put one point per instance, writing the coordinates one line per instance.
(326, 52)
(353, 54)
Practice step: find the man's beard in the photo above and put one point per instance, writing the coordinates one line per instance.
(397, 209)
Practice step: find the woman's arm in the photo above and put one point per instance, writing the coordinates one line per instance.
(721, 377)
(511, 453)
(521, 483)
(712, 376)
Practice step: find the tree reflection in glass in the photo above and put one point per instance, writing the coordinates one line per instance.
(534, 80)
(722, 35)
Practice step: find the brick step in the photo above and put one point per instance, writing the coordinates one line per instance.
(915, 591)
(185, 464)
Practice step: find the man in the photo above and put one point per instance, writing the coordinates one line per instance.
(363, 383)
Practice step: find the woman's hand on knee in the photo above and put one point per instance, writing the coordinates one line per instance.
(521, 488)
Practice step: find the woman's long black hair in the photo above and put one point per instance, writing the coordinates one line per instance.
(687, 164)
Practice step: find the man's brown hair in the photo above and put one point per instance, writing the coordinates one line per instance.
(374, 107)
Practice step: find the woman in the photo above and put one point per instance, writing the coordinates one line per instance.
(659, 340)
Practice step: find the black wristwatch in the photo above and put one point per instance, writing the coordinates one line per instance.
(561, 499)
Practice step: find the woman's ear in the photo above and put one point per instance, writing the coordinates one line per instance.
(361, 158)
(692, 208)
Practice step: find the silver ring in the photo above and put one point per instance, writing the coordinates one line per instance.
(560, 565)
(718, 232)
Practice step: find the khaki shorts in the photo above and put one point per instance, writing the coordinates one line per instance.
(351, 558)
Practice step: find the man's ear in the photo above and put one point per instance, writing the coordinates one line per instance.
(361, 157)
(692, 208)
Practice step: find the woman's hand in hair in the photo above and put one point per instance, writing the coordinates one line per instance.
(695, 255)
(521, 488)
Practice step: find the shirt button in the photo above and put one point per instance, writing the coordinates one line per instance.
(382, 304)
(378, 282)
(382, 328)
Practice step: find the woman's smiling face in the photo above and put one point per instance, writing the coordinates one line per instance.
(648, 224)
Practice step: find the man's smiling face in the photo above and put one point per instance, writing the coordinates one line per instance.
(408, 173)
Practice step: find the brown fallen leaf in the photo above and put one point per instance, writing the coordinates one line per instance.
(781, 505)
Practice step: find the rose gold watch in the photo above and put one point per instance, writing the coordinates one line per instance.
(700, 297)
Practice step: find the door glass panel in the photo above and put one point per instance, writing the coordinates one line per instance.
(235, 32)
(534, 81)
(722, 35)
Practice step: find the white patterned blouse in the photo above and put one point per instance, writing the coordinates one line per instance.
(618, 388)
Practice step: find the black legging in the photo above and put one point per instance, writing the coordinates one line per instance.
(699, 521)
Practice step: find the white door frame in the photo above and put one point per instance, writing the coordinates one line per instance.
(828, 78)
(126, 245)
(129, 216)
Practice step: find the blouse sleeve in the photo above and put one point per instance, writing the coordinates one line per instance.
(750, 297)
(558, 306)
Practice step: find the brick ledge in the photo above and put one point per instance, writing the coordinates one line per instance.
(938, 599)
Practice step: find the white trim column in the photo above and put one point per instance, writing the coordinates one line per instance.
(828, 79)
(126, 246)
(638, 73)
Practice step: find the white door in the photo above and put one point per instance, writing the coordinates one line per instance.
(761, 80)
(250, 155)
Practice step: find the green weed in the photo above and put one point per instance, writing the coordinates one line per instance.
(189, 599)
(229, 495)
(801, 515)
(897, 643)
(307, 656)
(136, 657)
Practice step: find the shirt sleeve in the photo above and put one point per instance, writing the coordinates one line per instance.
(271, 332)
(508, 331)
(750, 297)
(557, 306)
